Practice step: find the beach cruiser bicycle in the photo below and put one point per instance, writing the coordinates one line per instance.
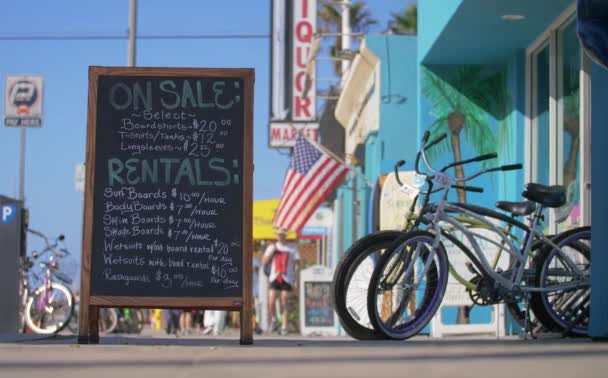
(108, 320)
(48, 308)
(353, 272)
(410, 278)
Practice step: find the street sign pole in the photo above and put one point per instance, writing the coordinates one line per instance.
(22, 167)
(22, 109)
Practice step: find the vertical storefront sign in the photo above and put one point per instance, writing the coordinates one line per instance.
(304, 26)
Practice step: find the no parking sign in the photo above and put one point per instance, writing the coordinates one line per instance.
(23, 101)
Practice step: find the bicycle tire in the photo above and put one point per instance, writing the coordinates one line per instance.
(517, 309)
(73, 323)
(355, 321)
(52, 328)
(140, 319)
(539, 302)
(433, 291)
(108, 320)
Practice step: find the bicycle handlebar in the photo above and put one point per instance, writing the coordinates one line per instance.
(466, 188)
(59, 252)
(422, 153)
(511, 167)
(492, 155)
(426, 136)
(397, 165)
(436, 140)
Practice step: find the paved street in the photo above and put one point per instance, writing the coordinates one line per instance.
(155, 355)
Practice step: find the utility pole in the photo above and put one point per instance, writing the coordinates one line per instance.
(132, 32)
(345, 64)
(22, 168)
(345, 4)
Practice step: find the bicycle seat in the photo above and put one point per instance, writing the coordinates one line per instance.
(548, 196)
(517, 208)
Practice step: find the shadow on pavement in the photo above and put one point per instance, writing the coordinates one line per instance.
(232, 361)
(293, 342)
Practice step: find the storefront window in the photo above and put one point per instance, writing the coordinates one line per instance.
(541, 116)
(568, 111)
(555, 132)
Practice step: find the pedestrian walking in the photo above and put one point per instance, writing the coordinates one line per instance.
(284, 260)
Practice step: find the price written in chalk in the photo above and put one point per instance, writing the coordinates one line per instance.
(170, 165)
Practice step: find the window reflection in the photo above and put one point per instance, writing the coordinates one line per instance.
(568, 124)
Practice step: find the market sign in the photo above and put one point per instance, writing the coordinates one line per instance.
(23, 101)
(283, 134)
(293, 89)
(304, 26)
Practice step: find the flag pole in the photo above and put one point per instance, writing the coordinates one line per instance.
(330, 153)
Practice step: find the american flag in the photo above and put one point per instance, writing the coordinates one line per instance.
(311, 176)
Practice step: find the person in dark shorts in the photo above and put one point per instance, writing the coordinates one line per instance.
(284, 259)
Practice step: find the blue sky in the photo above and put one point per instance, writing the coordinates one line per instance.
(54, 150)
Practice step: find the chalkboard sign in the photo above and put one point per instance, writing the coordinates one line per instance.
(168, 192)
(317, 316)
(318, 311)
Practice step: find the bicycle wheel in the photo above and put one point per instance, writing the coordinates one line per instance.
(73, 323)
(407, 285)
(140, 320)
(133, 321)
(48, 311)
(108, 320)
(564, 310)
(351, 281)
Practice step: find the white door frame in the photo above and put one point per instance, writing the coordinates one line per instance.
(550, 37)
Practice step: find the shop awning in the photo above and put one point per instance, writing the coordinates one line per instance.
(354, 96)
(491, 31)
(359, 78)
(263, 213)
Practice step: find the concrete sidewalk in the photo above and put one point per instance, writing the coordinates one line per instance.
(155, 355)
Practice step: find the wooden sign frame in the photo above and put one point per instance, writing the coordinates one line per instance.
(90, 304)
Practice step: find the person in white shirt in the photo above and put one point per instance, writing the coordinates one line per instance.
(284, 259)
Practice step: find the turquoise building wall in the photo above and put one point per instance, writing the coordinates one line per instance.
(398, 100)
(396, 137)
(599, 155)
(434, 16)
(446, 31)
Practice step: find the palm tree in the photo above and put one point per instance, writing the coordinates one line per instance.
(331, 19)
(460, 99)
(405, 22)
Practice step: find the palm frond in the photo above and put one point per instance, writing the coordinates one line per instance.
(437, 128)
(480, 136)
(405, 22)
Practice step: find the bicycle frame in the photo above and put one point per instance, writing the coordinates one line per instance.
(521, 256)
(45, 298)
(413, 221)
(445, 183)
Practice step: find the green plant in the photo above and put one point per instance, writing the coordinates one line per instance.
(330, 16)
(406, 21)
(461, 99)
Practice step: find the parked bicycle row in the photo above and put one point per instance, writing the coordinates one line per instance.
(390, 284)
(48, 305)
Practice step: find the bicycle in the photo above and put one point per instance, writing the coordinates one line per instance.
(130, 320)
(351, 276)
(48, 308)
(108, 320)
(414, 269)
